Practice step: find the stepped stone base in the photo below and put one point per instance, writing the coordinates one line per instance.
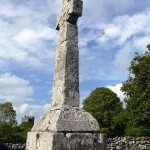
(66, 128)
(62, 141)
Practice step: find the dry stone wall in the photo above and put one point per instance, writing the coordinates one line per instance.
(12, 146)
(128, 143)
(117, 143)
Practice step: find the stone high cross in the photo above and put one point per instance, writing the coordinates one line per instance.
(66, 76)
(65, 126)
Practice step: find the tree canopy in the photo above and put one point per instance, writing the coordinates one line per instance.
(105, 106)
(137, 91)
(7, 121)
(7, 114)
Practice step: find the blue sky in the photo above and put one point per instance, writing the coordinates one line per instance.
(110, 32)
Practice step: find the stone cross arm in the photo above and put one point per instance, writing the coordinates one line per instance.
(71, 10)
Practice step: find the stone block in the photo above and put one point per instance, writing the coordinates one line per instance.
(68, 33)
(103, 140)
(76, 7)
(79, 141)
(61, 141)
(46, 141)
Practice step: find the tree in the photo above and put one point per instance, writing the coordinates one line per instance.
(7, 114)
(7, 122)
(106, 107)
(137, 91)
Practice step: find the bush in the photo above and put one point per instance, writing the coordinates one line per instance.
(137, 132)
(22, 130)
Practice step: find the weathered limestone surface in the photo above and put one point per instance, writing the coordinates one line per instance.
(65, 126)
(66, 120)
(66, 76)
(61, 141)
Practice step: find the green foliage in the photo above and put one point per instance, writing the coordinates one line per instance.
(137, 90)
(6, 132)
(7, 122)
(106, 107)
(14, 134)
(137, 131)
(7, 114)
(22, 130)
(9, 131)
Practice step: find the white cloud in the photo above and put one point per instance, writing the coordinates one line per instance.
(103, 10)
(27, 37)
(126, 53)
(140, 43)
(15, 89)
(123, 57)
(125, 27)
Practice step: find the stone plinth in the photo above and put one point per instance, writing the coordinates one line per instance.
(65, 129)
(61, 141)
